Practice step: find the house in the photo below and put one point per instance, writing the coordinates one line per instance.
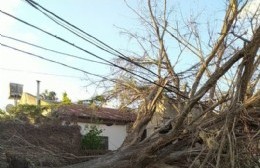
(113, 122)
(168, 111)
(30, 99)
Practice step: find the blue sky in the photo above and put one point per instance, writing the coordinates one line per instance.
(96, 17)
(99, 18)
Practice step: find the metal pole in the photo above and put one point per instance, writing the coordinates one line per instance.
(15, 101)
(38, 93)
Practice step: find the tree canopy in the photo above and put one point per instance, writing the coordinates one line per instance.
(49, 95)
(65, 99)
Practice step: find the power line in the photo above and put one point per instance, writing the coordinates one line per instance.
(176, 90)
(51, 50)
(121, 55)
(57, 37)
(60, 63)
(57, 52)
(68, 66)
(40, 73)
(78, 31)
(92, 54)
(76, 46)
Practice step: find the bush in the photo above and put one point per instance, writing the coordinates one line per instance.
(26, 113)
(92, 139)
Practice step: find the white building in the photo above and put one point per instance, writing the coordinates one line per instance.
(113, 123)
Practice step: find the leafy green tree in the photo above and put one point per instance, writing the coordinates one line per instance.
(65, 99)
(49, 95)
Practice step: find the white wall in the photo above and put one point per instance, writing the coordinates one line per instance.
(115, 133)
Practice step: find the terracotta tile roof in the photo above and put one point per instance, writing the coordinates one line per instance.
(86, 112)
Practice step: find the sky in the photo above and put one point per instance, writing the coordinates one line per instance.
(100, 18)
(96, 17)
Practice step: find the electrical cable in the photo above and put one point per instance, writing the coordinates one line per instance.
(121, 55)
(92, 54)
(60, 63)
(51, 50)
(37, 6)
(58, 52)
(40, 73)
(76, 46)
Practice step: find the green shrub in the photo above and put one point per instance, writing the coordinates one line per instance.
(92, 139)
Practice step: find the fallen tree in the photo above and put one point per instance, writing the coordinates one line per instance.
(214, 120)
(225, 132)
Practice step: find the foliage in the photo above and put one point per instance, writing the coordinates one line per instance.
(25, 109)
(3, 114)
(65, 99)
(80, 102)
(2, 111)
(98, 100)
(92, 139)
(49, 95)
(26, 113)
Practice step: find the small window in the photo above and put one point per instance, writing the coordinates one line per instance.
(104, 142)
